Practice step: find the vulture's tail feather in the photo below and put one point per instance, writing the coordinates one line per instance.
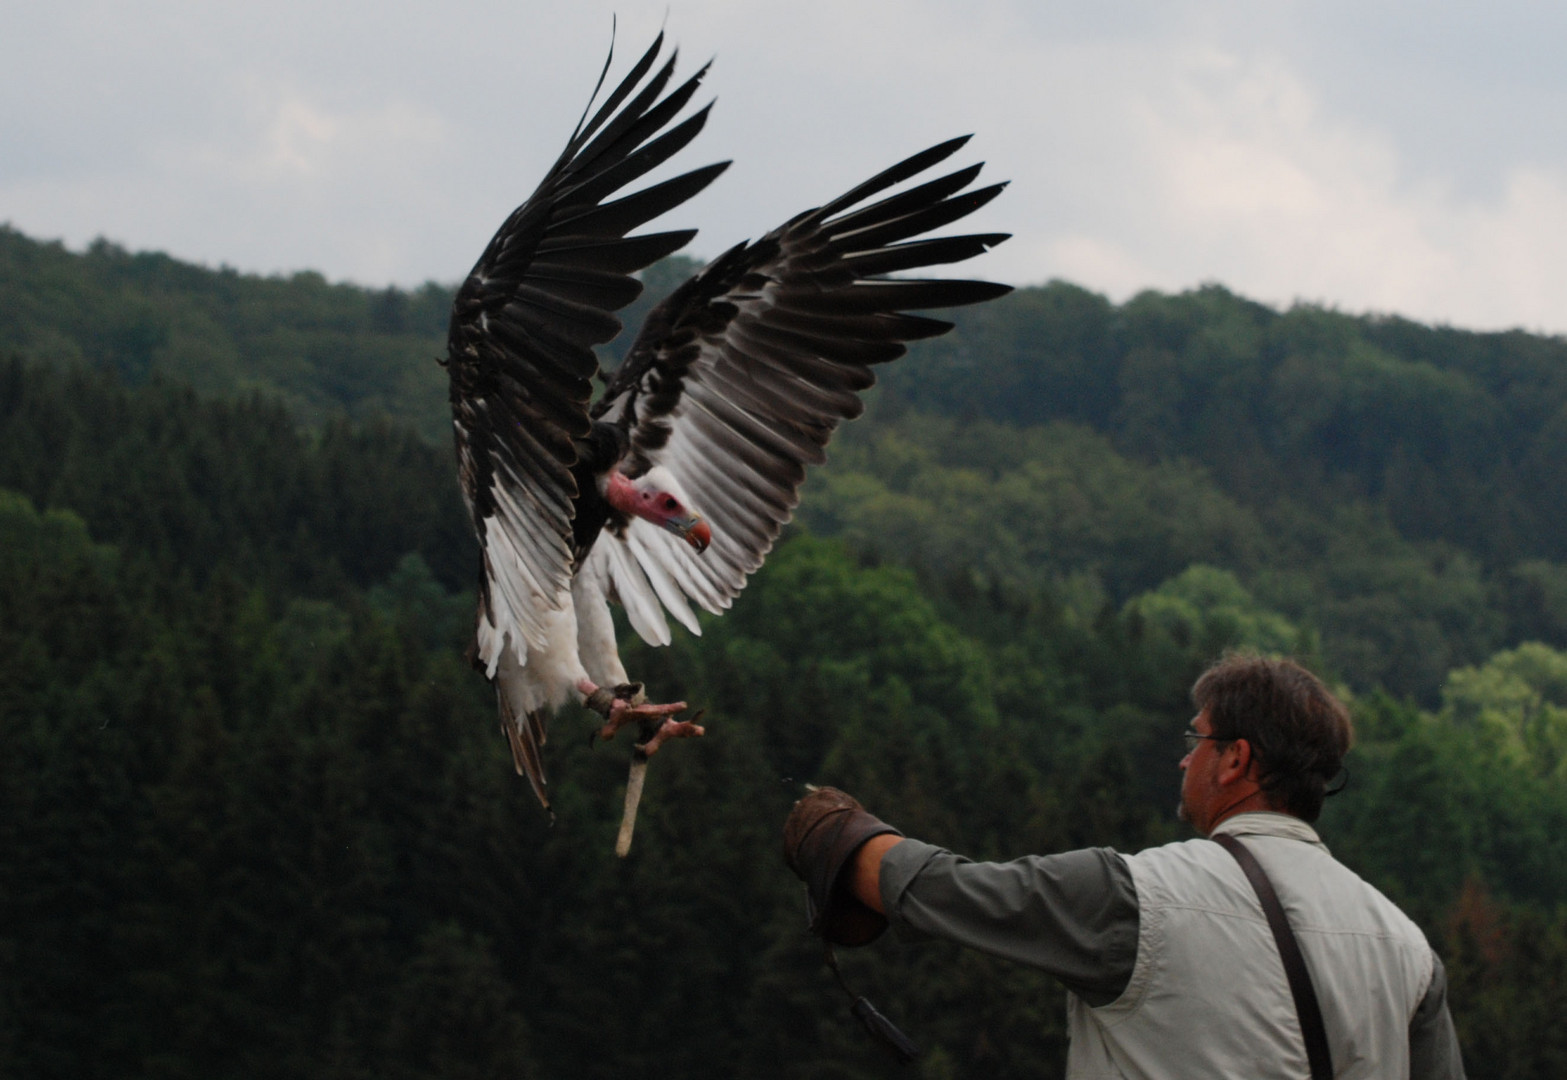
(526, 735)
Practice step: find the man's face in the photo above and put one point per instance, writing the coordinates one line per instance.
(1198, 776)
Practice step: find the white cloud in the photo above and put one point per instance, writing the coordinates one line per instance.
(1243, 178)
(297, 140)
(1149, 146)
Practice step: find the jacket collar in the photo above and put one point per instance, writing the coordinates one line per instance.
(1269, 823)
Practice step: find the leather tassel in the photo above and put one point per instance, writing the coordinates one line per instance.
(885, 1032)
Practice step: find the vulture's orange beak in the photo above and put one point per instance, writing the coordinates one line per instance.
(695, 532)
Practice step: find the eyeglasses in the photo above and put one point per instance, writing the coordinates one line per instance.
(1193, 737)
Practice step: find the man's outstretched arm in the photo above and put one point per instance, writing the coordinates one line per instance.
(1073, 915)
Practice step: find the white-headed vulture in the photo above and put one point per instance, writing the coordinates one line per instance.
(669, 489)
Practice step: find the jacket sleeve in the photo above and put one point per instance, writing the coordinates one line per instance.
(1433, 1043)
(1073, 915)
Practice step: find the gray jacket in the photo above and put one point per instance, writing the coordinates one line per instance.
(1170, 966)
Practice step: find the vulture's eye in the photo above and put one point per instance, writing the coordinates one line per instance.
(670, 503)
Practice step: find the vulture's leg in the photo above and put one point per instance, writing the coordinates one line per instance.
(620, 706)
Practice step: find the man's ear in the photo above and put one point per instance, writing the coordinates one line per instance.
(1237, 764)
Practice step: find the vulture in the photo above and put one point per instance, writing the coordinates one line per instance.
(667, 490)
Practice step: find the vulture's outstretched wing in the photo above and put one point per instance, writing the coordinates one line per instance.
(740, 377)
(523, 326)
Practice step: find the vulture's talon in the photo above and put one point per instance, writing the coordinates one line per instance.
(623, 705)
(671, 729)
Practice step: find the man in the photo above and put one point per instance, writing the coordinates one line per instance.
(1172, 969)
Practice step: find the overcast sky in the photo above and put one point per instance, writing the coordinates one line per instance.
(1392, 157)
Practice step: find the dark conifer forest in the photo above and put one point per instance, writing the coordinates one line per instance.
(257, 820)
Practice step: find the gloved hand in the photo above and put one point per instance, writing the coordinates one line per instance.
(822, 834)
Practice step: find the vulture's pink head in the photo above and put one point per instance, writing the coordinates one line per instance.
(657, 497)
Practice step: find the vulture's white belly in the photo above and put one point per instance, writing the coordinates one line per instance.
(578, 642)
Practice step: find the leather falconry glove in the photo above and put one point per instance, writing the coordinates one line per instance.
(821, 836)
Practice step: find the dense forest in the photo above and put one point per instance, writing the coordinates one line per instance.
(256, 819)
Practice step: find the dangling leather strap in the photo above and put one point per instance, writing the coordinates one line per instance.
(1317, 1053)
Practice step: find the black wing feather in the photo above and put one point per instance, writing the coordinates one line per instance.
(626, 214)
(738, 380)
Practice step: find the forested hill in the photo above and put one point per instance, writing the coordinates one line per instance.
(1399, 489)
(1459, 436)
(256, 820)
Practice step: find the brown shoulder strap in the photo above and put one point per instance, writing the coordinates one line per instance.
(1311, 1026)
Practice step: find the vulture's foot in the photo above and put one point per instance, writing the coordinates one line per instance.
(672, 729)
(625, 704)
